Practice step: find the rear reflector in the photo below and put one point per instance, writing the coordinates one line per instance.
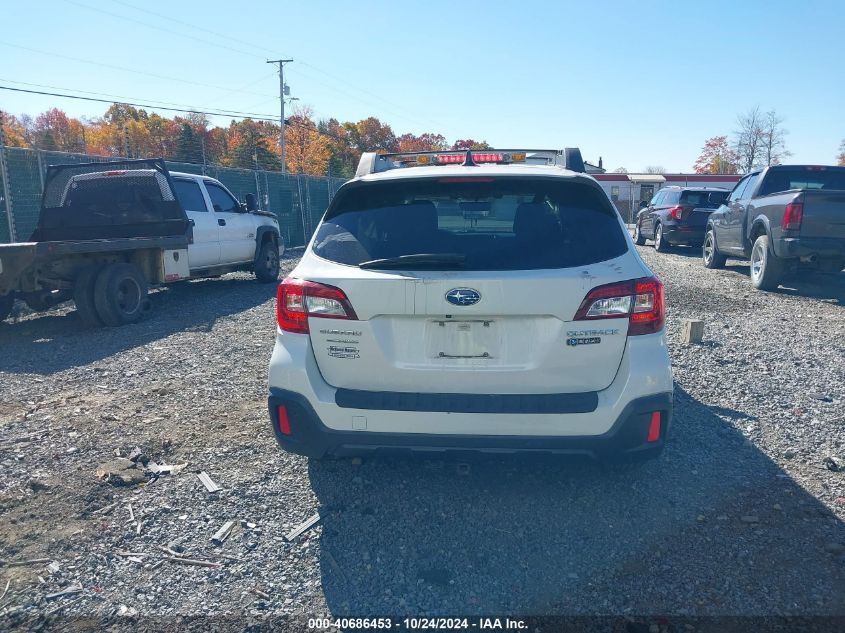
(654, 427)
(641, 300)
(284, 423)
(298, 299)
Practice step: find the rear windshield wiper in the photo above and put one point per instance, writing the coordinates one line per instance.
(416, 260)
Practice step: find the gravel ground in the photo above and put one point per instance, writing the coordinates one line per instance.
(742, 515)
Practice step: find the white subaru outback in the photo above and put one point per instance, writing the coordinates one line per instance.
(484, 301)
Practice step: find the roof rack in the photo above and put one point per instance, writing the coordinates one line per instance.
(568, 158)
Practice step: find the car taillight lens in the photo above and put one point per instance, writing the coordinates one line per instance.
(792, 216)
(641, 300)
(675, 212)
(298, 299)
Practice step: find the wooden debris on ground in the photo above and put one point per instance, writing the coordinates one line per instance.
(208, 482)
(304, 526)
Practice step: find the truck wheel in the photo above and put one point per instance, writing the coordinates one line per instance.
(120, 294)
(83, 296)
(712, 257)
(267, 262)
(639, 238)
(6, 303)
(661, 245)
(766, 268)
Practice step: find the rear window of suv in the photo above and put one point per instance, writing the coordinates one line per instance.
(506, 223)
(703, 199)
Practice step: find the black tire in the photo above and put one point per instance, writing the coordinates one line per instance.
(710, 255)
(766, 268)
(6, 304)
(83, 296)
(639, 238)
(661, 244)
(120, 295)
(267, 262)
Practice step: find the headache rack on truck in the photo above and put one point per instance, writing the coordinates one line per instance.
(110, 200)
(568, 158)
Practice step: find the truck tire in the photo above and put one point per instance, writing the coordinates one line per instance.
(766, 268)
(120, 295)
(639, 238)
(267, 262)
(661, 245)
(83, 296)
(6, 304)
(709, 253)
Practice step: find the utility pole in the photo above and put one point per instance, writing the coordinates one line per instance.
(281, 63)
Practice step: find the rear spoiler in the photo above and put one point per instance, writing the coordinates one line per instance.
(373, 162)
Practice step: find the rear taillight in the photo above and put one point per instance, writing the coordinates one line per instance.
(675, 212)
(298, 299)
(641, 300)
(792, 216)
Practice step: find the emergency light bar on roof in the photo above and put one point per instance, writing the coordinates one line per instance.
(569, 158)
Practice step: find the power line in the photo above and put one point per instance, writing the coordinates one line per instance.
(193, 26)
(181, 80)
(159, 28)
(261, 117)
(123, 98)
(381, 100)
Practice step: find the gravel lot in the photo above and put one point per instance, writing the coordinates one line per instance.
(742, 515)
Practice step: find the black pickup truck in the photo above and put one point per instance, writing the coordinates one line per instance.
(783, 218)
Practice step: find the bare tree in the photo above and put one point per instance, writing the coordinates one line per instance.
(750, 141)
(841, 157)
(655, 169)
(622, 170)
(773, 137)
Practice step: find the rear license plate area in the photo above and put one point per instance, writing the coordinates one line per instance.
(451, 339)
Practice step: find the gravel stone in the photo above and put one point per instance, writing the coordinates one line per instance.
(508, 535)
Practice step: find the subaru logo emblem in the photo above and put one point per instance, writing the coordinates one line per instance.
(463, 296)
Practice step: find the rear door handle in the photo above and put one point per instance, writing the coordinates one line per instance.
(221, 222)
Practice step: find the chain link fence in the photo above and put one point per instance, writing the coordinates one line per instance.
(297, 200)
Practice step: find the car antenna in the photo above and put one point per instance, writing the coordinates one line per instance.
(468, 162)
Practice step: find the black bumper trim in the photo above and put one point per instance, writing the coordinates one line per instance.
(467, 402)
(310, 437)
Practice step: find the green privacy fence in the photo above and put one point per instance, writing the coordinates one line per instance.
(297, 200)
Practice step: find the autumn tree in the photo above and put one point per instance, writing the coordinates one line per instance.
(343, 158)
(371, 135)
(423, 143)
(251, 141)
(841, 158)
(470, 144)
(55, 130)
(13, 130)
(716, 157)
(307, 151)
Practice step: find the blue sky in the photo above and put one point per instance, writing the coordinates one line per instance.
(638, 83)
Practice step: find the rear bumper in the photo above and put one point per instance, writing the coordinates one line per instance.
(681, 233)
(821, 247)
(627, 437)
